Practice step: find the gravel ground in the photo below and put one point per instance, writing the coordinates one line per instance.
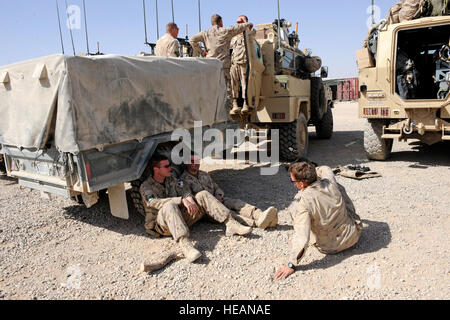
(60, 250)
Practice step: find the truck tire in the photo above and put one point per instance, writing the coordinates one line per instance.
(324, 128)
(2, 164)
(294, 140)
(318, 100)
(376, 148)
(136, 195)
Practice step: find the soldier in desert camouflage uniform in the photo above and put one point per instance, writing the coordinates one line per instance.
(171, 209)
(217, 42)
(239, 65)
(198, 181)
(168, 45)
(323, 207)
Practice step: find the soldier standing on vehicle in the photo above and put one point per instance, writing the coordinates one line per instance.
(323, 207)
(239, 65)
(168, 45)
(217, 42)
(198, 181)
(171, 209)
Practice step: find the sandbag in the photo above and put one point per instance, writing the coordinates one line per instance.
(409, 9)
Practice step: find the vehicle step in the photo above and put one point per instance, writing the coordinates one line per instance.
(391, 136)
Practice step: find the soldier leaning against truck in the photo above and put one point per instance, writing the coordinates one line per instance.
(171, 209)
(239, 65)
(217, 41)
(198, 181)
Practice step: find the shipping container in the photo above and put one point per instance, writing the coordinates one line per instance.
(344, 89)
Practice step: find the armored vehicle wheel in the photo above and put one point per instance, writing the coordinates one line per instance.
(136, 195)
(324, 128)
(294, 139)
(376, 147)
(2, 164)
(318, 99)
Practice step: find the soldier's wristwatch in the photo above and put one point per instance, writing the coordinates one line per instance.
(291, 265)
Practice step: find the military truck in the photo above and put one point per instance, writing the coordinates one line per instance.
(283, 90)
(404, 76)
(74, 126)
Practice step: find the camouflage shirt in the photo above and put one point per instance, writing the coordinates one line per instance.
(202, 182)
(217, 41)
(239, 56)
(155, 195)
(167, 46)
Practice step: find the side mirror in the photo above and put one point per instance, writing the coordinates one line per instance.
(324, 72)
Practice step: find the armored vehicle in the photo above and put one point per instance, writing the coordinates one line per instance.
(283, 90)
(404, 82)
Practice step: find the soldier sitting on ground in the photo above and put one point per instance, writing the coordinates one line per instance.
(200, 181)
(323, 207)
(171, 209)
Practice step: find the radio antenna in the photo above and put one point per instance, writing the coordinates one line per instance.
(173, 13)
(145, 22)
(85, 27)
(59, 24)
(199, 18)
(157, 20)
(70, 28)
(279, 27)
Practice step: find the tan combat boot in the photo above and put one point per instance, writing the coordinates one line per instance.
(234, 227)
(236, 110)
(190, 253)
(267, 218)
(246, 109)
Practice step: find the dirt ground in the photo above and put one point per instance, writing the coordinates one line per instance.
(60, 250)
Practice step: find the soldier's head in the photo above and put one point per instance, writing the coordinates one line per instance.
(303, 174)
(172, 29)
(194, 166)
(242, 19)
(160, 166)
(216, 20)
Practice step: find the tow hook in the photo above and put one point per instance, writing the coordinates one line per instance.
(411, 126)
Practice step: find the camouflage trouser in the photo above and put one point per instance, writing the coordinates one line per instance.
(228, 82)
(238, 77)
(174, 220)
(244, 212)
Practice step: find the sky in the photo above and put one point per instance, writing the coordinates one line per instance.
(334, 30)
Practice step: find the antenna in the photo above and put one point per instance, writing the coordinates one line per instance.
(145, 22)
(85, 27)
(70, 28)
(173, 13)
(199, 18)
(279, 28)
(59, 24)
(373, 13)
(157, 20)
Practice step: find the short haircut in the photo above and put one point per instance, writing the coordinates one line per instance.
(171, 26)
(215, 19)
(246, 18)
(304, 172)
(156, 159)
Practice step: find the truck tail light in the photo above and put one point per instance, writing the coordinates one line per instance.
(385, 112)
(278, 116)
(370, 111)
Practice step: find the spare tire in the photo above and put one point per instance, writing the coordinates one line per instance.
(318, 100)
